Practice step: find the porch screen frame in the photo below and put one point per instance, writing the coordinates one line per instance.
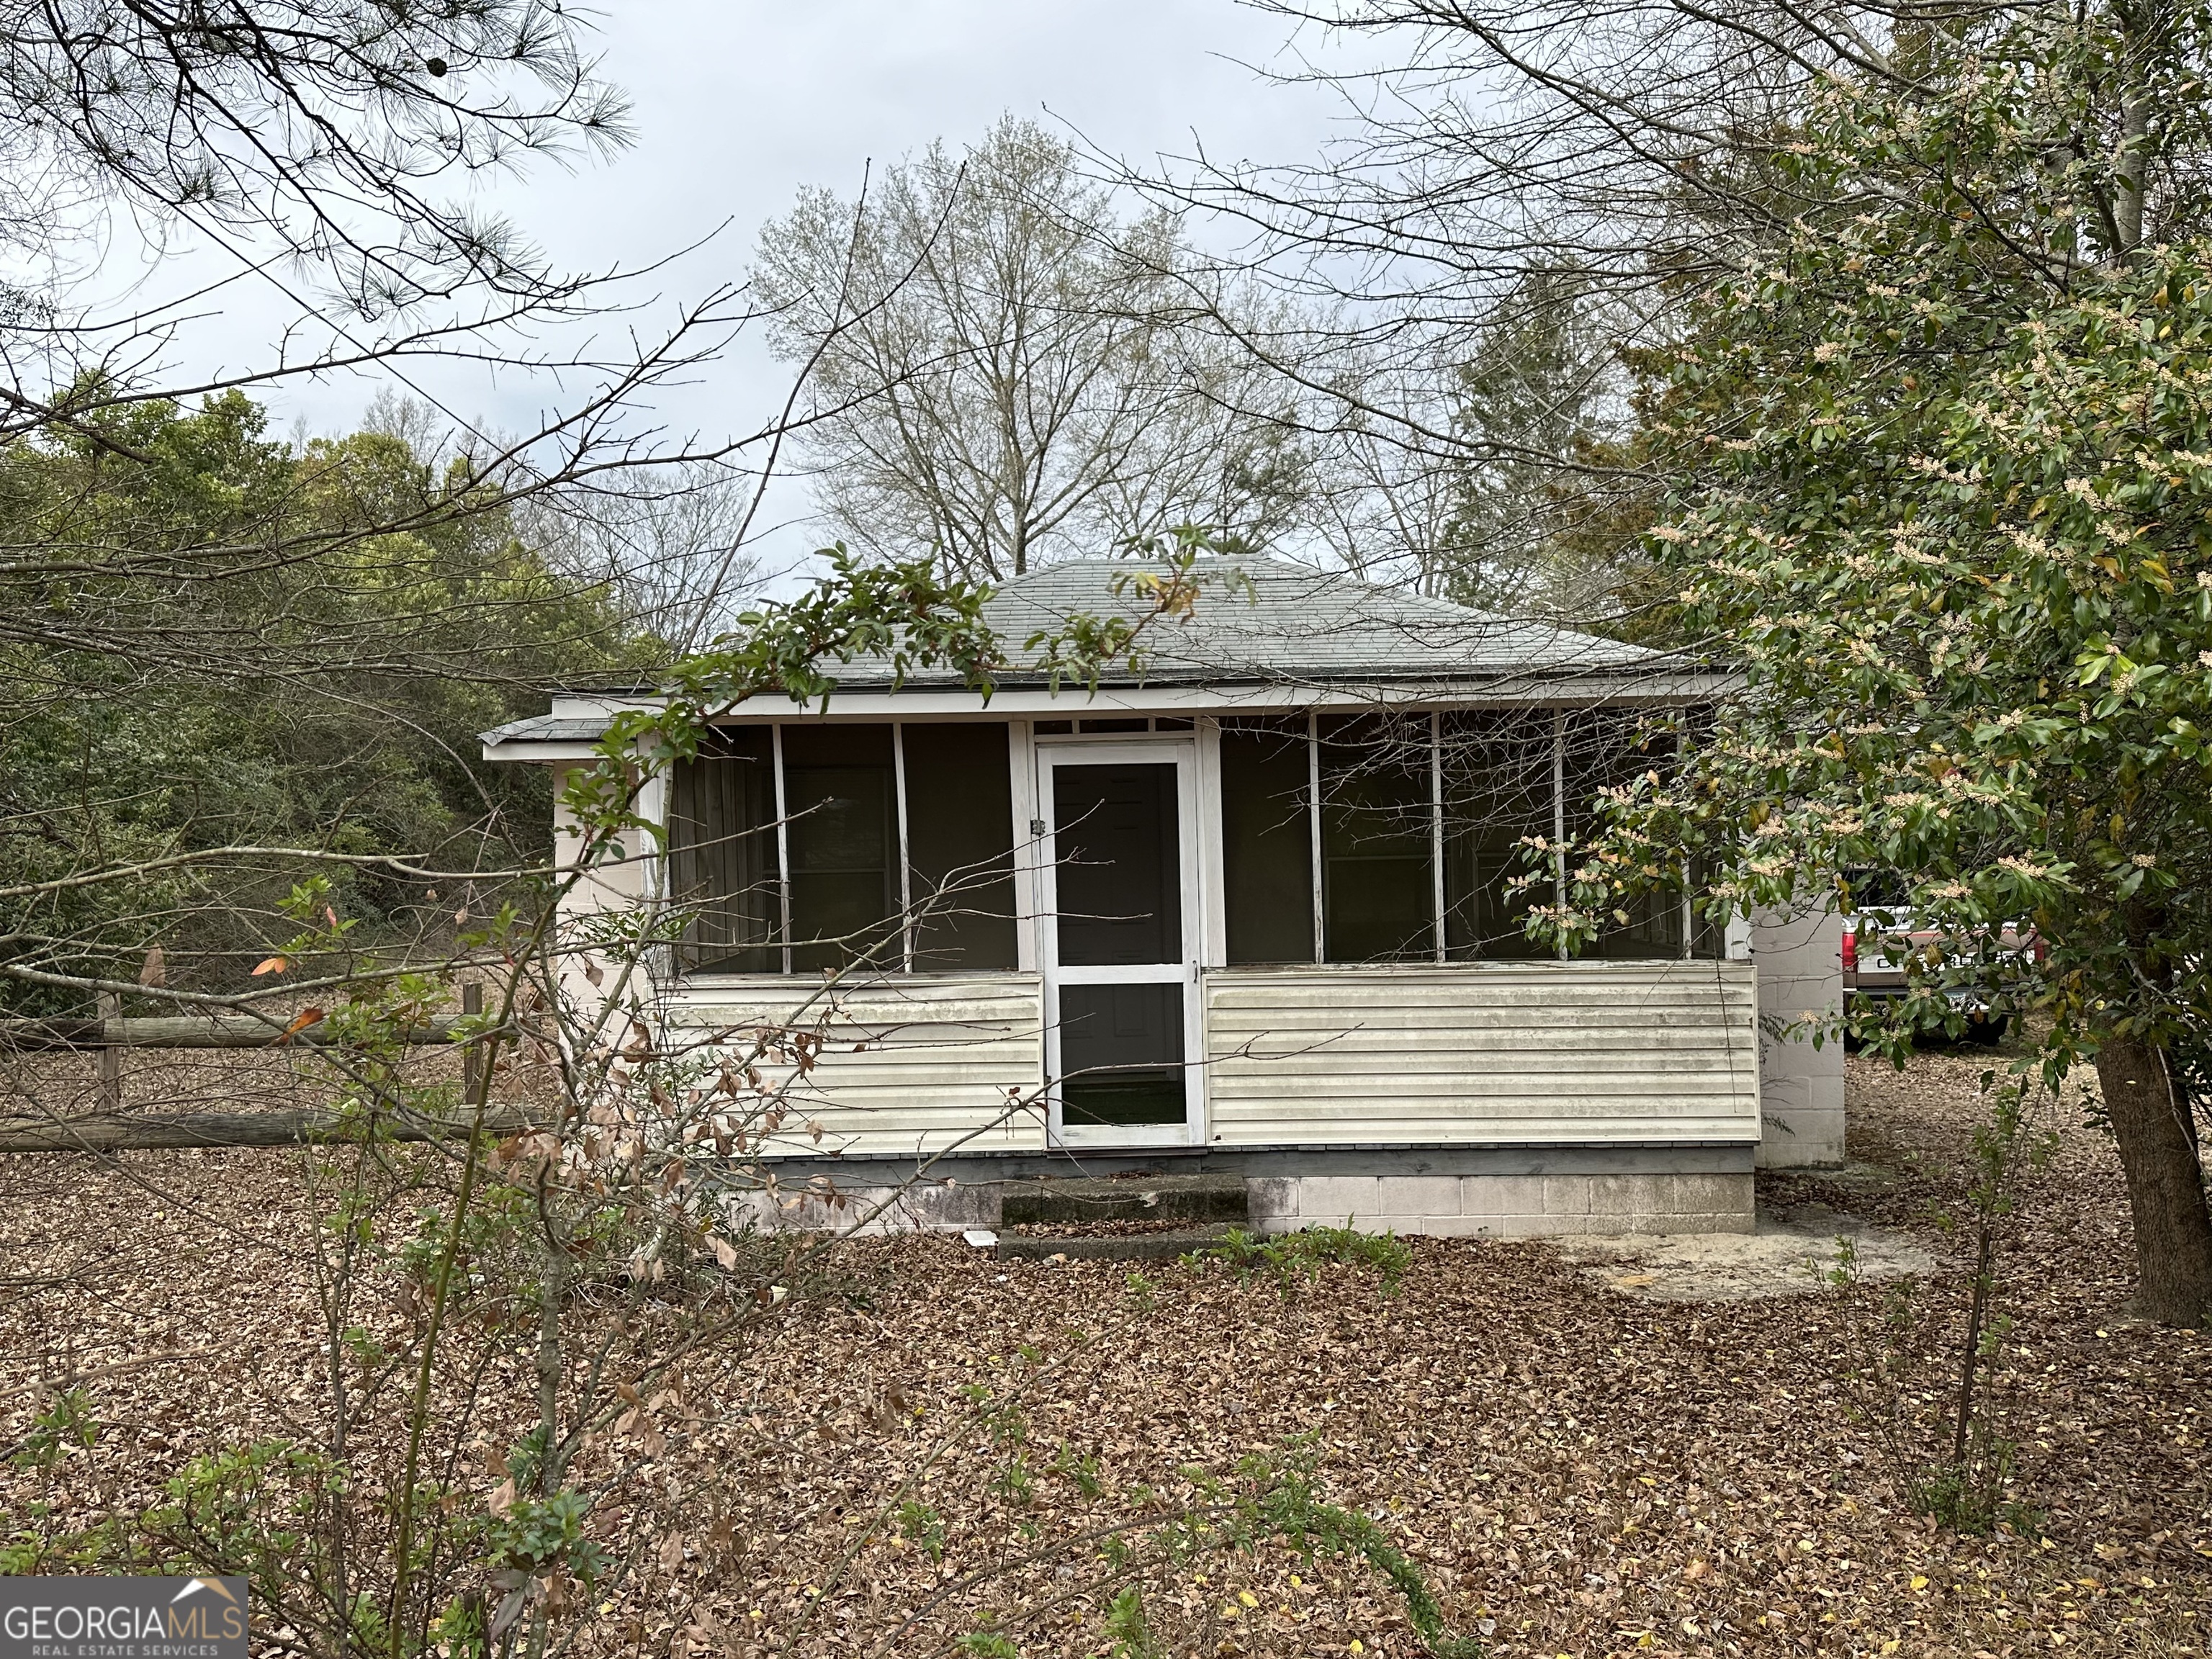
(780, 947)
(1561, 719)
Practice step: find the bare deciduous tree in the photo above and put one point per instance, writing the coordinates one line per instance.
(1007, 369)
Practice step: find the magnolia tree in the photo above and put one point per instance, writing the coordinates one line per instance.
(1944, 458)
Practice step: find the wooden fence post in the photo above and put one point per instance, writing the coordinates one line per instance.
(110, 1006)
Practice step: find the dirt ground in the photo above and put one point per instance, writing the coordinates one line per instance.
(1576, 1465)
(1793, 1247)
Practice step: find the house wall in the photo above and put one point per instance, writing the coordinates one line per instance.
(1800, 976)
(1524, 1055)
(1289, 1191)
(1521, 1053)
(910, 1065)
(590, 981)
(1620, 1096)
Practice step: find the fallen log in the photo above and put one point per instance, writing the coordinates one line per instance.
(185, 1031)
(157, 1131)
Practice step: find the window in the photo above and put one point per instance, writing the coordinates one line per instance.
(1378, 851)
(1421, 824)
(1608, 749)
(1266, 841)
(722, 862)
(822, 886)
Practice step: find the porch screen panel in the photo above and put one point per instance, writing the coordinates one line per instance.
(1378, 892)
(960, 845)
(721, 854)
(840, 803)
(1609, 749)
(1266, 841)
(1498, 789)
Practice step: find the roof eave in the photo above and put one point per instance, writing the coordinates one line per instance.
(1628, 687)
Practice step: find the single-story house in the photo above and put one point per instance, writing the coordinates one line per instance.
(1246, 907)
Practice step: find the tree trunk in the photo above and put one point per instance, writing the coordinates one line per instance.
(2166, 1183)
(2133, 167)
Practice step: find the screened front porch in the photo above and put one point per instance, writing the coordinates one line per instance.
(1206, 930)
(800, 845)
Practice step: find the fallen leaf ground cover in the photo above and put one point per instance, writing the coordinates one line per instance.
(923, 1443)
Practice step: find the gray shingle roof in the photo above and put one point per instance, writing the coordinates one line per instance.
(1256, 622)
(550, 728)
(1260, 620)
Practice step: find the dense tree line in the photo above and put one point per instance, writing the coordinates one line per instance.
(215, 638)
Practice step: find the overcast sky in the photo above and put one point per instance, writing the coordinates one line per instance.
(740, 102)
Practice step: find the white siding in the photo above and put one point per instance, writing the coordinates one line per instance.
(1522, 1054)
(1501, 1053)
(939, 1054)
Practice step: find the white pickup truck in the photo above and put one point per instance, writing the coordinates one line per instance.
(1880, 961)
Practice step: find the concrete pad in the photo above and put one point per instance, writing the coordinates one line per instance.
(1780, 1257)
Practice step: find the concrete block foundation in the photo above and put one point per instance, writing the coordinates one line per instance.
(1441, 1206)
(1507, 1207)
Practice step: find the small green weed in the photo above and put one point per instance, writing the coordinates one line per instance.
(1290, 1508)
(1968, 1498)
(68, 1422)
(1128, 1629)
(536, 1535)
(920, 1525)
(1082, 1470)
(1014, 1481)
(1290, 1257)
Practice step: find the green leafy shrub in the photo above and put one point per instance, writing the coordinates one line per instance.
(920, 1524)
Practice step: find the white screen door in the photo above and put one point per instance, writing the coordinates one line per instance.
(1121, 944)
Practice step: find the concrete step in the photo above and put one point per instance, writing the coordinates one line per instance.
(1128, 1198)
(1109, 1247)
